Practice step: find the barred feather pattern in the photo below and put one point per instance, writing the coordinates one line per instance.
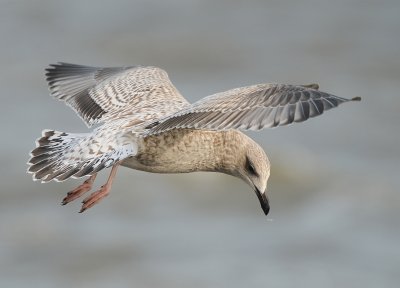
(104, 94)
(251, 108)
(60, 155)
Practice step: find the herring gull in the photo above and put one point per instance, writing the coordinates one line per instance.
(148, 125)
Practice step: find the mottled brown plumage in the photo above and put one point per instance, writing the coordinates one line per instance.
(149, 126)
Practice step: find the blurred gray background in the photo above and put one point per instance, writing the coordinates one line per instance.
(334, 220)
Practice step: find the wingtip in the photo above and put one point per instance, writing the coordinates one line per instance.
(52, 66)
(358, 98)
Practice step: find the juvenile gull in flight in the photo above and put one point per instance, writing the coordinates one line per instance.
(147, 125)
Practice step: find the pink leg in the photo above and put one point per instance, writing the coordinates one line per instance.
(80, 190)
(104, 190)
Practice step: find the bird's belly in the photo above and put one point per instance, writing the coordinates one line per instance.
(158, 164)
(176, 151)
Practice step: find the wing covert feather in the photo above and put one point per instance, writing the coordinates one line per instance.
(101, 94)
(252, 108)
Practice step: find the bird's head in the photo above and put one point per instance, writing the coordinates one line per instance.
(253, 167)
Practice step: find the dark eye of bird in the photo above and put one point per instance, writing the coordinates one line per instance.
(250, 168)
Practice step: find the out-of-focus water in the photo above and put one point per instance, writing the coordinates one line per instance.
(335, 211)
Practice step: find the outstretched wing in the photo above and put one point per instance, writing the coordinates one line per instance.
(101, 94)
(252, 108)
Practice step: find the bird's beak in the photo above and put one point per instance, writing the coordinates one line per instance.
(263, 200)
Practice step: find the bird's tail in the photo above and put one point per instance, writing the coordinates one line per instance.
(60, 155)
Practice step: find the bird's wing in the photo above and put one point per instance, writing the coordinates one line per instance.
(103, 94)
(252, 108)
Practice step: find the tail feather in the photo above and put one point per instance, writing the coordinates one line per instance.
(60, 155)
(48, 158)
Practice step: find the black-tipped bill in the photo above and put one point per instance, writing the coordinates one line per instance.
(263, 201)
